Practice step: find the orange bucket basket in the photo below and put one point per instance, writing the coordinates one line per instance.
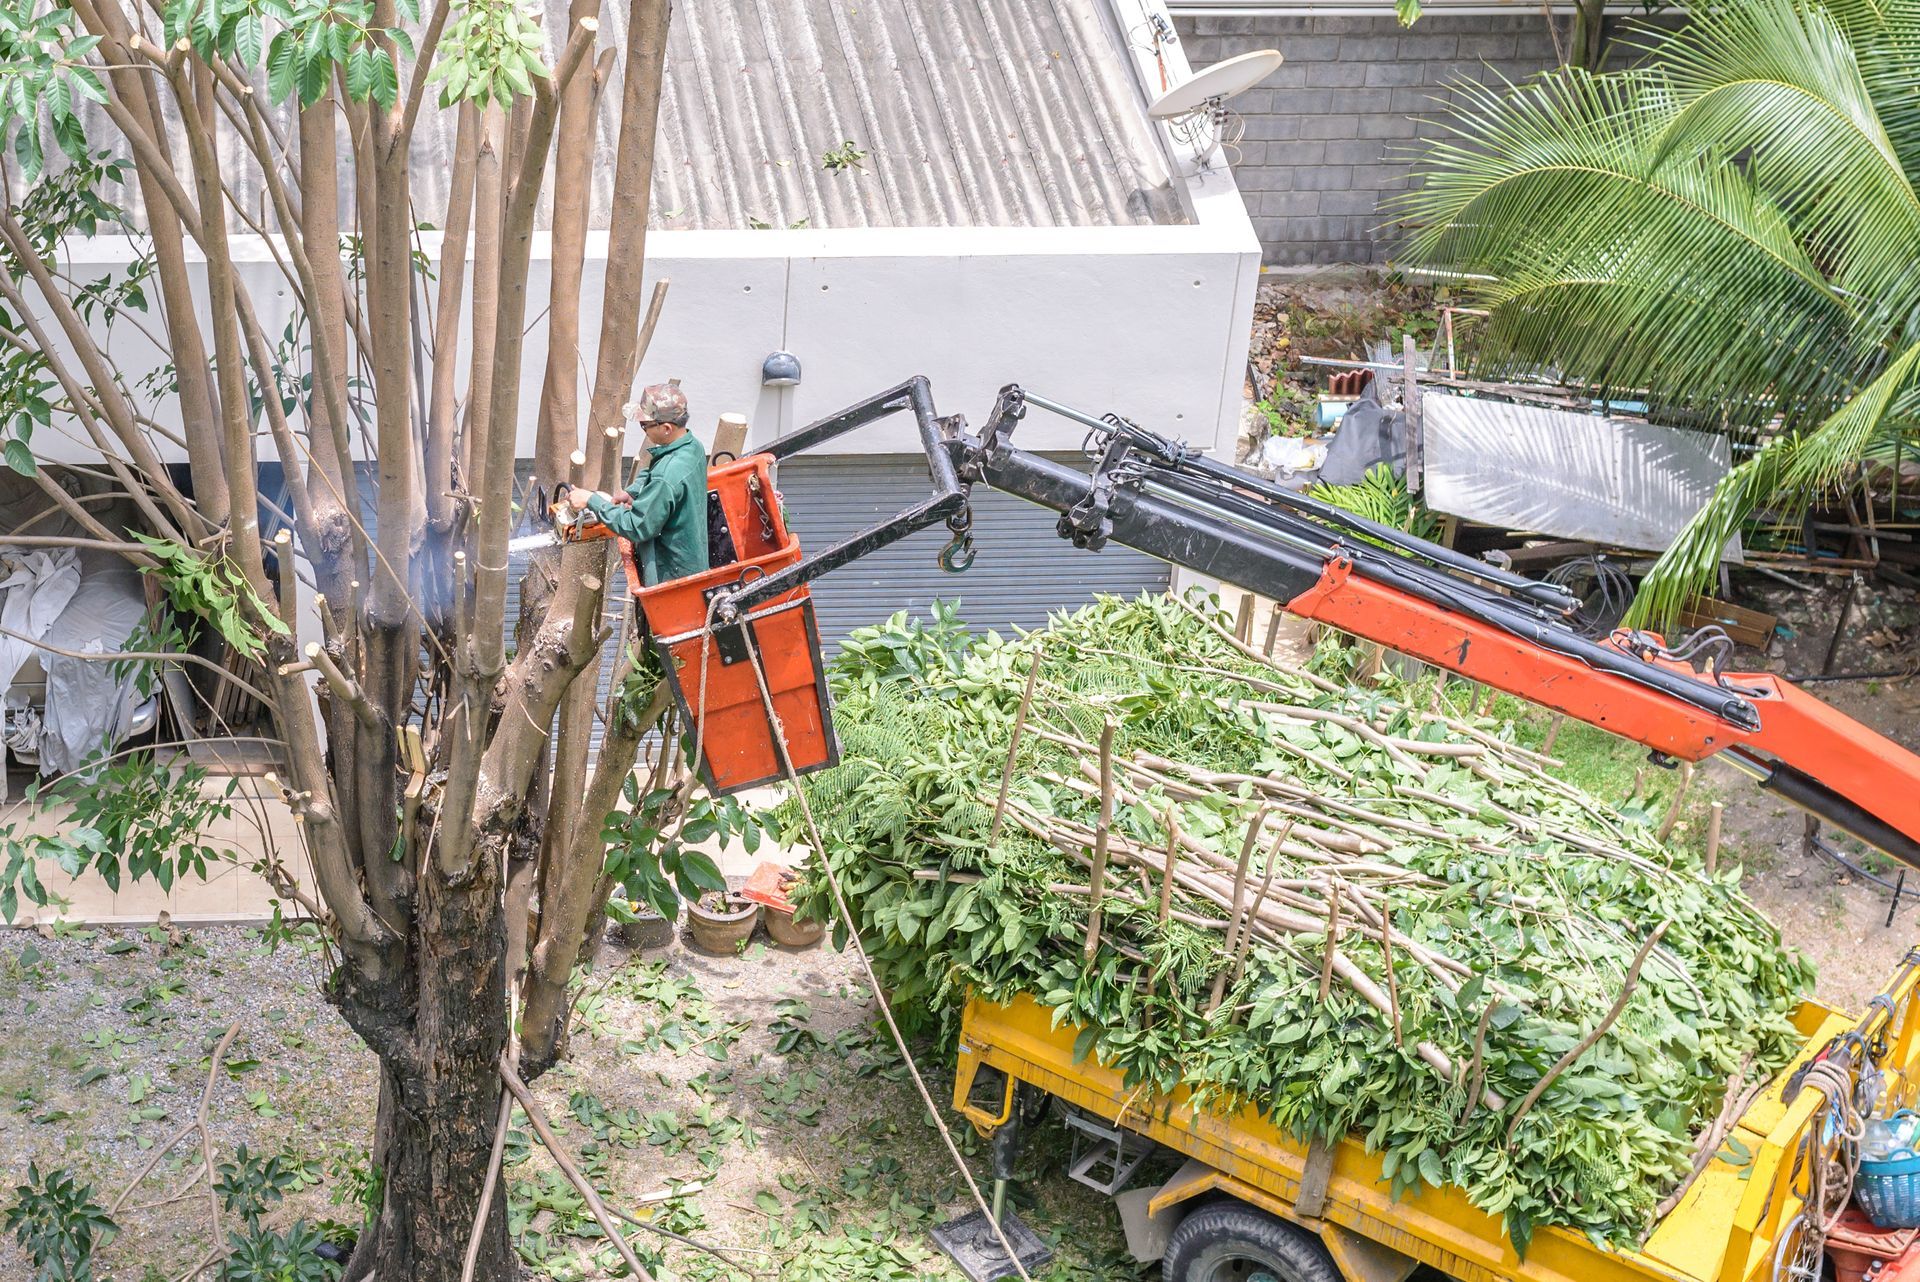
(723, 709)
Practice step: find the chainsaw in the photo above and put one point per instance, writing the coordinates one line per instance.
(563, 526)
(560, 525)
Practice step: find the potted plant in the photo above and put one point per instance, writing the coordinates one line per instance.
(640, 925)
(654, 867)
(721, 920)
(771, 885)
(789, 933)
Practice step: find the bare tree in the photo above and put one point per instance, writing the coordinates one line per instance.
(459, 896)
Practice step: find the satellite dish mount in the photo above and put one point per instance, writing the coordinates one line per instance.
(1196, 111)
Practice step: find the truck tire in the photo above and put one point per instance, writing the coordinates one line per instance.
(1228, 1241)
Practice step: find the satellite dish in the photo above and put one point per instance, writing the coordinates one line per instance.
(1206, 90)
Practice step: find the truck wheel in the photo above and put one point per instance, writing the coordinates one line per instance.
(1230, 1241)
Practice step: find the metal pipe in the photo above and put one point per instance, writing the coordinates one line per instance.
(1067, 411)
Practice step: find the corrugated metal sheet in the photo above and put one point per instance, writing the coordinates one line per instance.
(971, 113)
(1024, 569)
(968, 114)
(1571, 476)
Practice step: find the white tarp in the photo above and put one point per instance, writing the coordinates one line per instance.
(36, 589)
(90, 704)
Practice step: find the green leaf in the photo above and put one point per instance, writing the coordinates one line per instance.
(359, 73)
(249, 36)
(386, 79)
(87, 84)
(26, 149)
(20, 458)
(282, 65)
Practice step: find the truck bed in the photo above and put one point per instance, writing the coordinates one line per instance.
(1725, 1229)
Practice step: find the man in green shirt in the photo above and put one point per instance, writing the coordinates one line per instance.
(664, 512)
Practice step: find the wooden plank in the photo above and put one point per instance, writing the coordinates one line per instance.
(1314, 1179)
(1410, 401)
(1558, 550)
(1748, 627)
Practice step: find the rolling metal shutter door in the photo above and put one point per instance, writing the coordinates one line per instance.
(1024, 569)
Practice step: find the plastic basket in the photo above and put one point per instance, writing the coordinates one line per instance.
(1888, 1189)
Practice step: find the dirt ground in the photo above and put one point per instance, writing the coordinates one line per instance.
(747, 1101)
(750, 1102)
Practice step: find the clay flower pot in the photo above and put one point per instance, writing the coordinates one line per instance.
(647, 930)
(791, 934)
(720, 927)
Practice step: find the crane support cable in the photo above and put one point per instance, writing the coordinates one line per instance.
(866, 963)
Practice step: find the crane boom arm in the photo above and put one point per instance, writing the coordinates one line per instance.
(1162, 498)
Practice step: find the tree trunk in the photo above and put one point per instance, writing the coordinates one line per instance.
(440, 1091)
(1589, 35)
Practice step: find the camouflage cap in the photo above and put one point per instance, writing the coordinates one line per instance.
(663, 403)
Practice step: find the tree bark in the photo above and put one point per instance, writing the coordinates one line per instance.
(1589, 35)
(440, 1090)
(199, 415)
(559, 431)
(573, 856)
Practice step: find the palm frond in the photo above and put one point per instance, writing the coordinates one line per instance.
(1781, 87)
(1885, 36)
(1681, 278)
(1381, 496)
(1793, 464)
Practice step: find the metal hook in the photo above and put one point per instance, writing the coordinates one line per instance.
(958, 555)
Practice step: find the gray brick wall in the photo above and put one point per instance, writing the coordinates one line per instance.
(1328, 137)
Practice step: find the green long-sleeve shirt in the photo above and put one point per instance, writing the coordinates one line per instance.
(667, 523)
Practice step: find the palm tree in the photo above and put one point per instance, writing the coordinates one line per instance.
(1731, 228)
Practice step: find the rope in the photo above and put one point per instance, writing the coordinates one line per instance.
(1829, 1175)
(866, 963)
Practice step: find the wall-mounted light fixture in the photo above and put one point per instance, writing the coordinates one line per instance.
(782, 369)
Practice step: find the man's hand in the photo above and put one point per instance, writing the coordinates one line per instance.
(621, 499)
(577, 498)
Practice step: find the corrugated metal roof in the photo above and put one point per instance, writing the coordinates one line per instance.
(965, 113)
(969, 113)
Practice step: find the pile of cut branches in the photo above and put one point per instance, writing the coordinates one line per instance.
(1357, 908)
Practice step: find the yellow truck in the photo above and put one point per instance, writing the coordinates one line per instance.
(1254, 1204)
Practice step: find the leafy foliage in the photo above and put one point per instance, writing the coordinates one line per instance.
(59, 205)
(1381, 496)
(55, 1219)
(248, 1183)
(490, 54)
(256, 1254)
(316, 39)
(134, 816)
(212, 586)
(1732, 226)
(650, 854)
(44, 81)
(1530, 897)
(848, 155)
